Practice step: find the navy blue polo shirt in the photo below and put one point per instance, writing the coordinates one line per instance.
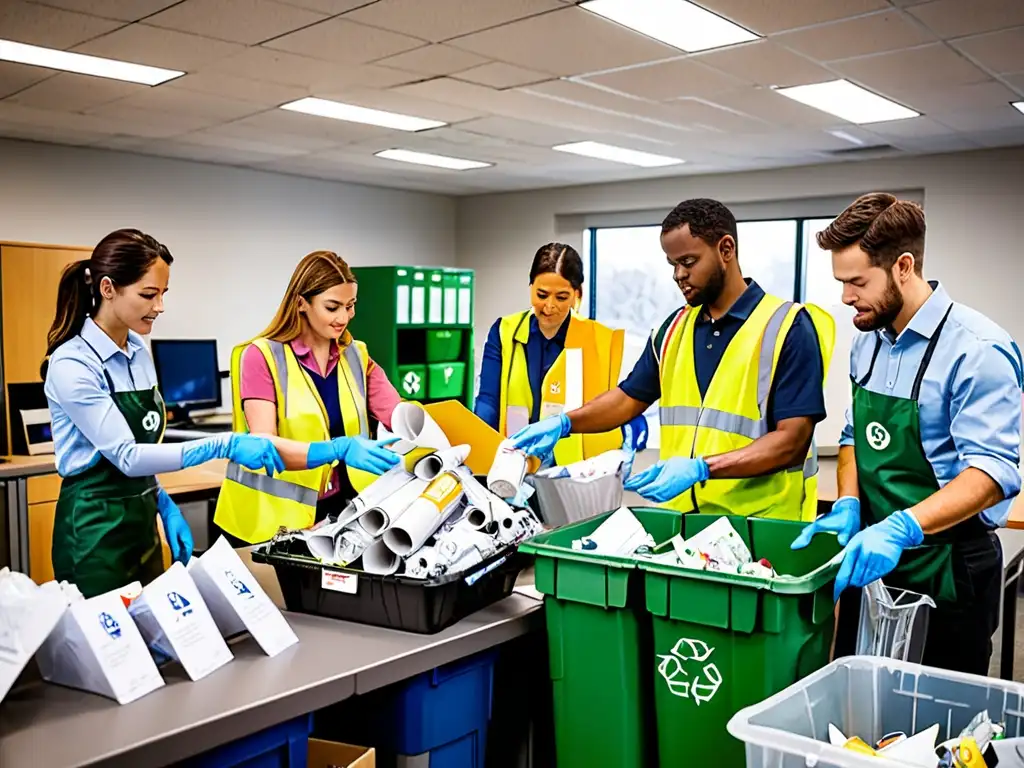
(796, 389)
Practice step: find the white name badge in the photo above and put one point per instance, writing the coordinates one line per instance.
(98, 648)
(237, 601)
(176, 623)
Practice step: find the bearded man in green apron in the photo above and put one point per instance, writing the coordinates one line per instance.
(929, 459)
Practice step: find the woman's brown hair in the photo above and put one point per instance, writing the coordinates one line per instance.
(317, 272)
(124, 257)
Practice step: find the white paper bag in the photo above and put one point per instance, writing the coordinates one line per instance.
(237, 601)
(98, 648)
(28, 614)
(176, 622)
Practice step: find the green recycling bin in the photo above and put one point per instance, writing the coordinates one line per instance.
(722, 642)
(443, 346)
(599, 643)
(412, 382)
(446, 380)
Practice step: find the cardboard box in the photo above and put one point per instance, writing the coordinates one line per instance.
(331, 754)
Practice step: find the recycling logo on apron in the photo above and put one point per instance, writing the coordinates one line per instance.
(411, 383)
(878, 436)
(151, 421)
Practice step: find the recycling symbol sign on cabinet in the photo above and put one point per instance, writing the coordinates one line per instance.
(411, 383)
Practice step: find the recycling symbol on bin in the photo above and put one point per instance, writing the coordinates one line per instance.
(411, 383)
(448, 371)
(686, 673)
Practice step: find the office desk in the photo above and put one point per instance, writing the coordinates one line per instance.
(187, 485)
(47, 725)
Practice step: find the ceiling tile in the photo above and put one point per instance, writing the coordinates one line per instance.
(1015, 81)
(142, 44)
(143, 121)
(15, 77)
(52, 134)
(74, 93)
(184, 150)
(122, 10)
(876, 33)
(704, 115)
(264, 64)
(50, 27)
(497, 74)
(344, 42)
(1001, 52)
(211, 138)
(953, 98)
(124, 124)
(928, 65)
(570, 41)
(394, 101)
(280, 122)
(185, 103)
(919, 127)
(767, 105)
(955, 18)
(525, 131)
(769, 16)
(1006, 137)
(447, 18)
(240, 21)
(765, 63)
(266, 128)
(581, 95)
(667, 80)
(243, 89)
(993, 118)
(433, 60)
(330, 7)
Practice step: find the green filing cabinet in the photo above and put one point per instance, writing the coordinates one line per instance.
(412, 318)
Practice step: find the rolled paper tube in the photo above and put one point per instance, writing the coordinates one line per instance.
(477, 518)
(350, 545)
(507, 472)
(411, 422)
(432, 465)
(425, 515)
(379, 518)
(512, 526)
(422, 564)
(384, 486)
(379, 560)
(414, 457)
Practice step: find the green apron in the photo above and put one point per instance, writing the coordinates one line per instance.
(104, 533)
(894, 474)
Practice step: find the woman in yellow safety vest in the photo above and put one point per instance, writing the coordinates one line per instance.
(306, 378)
(548, 359)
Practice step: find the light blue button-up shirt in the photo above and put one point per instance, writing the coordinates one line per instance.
(86, 422)
(970, 400)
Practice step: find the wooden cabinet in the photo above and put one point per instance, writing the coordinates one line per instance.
(29, 275)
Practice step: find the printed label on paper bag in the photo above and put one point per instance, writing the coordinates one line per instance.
(241, 594)
(339, 582)
(118, 646)
(185, 619)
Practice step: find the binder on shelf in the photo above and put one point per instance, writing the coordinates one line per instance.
(465, 313)
(403, 297)
(451, 298)
(435, 299)
(418, 302)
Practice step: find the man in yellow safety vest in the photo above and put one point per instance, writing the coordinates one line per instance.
(740, 376)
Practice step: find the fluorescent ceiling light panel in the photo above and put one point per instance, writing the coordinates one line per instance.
(678, 23)
(617, 154)
(848, 101)
(437, 161)
(353, 114)
(1018, 105)
(66, 61)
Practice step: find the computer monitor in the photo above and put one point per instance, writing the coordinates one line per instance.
(187, 372)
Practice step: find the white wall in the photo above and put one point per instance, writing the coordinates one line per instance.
(236, 234)
(974, 204)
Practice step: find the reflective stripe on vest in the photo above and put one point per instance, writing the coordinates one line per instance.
(271, 486)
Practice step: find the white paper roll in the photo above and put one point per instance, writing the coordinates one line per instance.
(379, 560)
(515, 525)
(477, 518)
(433, 465)
(507, 471)
(383, 515)
(425, 515)
(422, 564)
(411, 422)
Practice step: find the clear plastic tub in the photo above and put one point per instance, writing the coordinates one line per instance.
(893, 623)
(868, 696)
(563, 500)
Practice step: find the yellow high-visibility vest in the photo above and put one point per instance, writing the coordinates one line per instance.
(734, 411)
(588, 365)
(252, 505)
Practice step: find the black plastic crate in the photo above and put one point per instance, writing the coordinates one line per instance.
(397, 602)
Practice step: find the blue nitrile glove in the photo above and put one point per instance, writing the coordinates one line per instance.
(876, 550)
(356, 452)
(636, 437)
(667, 479)
(539, 439)
(843, 519)
(250, 451)
(176, 530)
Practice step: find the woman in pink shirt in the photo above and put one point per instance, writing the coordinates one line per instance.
(328, 381)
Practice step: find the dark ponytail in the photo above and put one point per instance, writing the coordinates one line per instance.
(123, 257)
(561, 259)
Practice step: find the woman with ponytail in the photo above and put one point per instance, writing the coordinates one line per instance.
(108, 420)
(548, 360)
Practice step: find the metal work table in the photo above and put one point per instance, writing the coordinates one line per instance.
(47, 725)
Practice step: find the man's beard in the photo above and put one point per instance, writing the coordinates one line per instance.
(709, 293)
(884, 315)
